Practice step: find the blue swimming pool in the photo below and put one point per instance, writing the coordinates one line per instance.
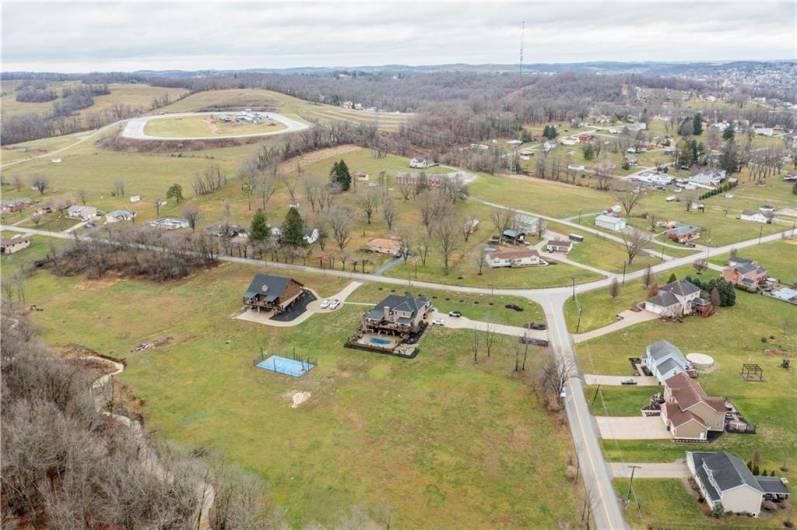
(283, 365)
(380, 342)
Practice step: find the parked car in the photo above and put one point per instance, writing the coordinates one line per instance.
(563, 393)
(324, 304)
(455, 314)
(629, 381)
(513, 307)
(534, 325)
(334, 304)
(438, 322)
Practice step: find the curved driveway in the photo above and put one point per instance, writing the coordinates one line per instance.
(134, 128)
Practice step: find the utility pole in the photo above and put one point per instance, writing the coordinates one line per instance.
(625, 264)
(760, 233)
(574, 288)
(631, 483)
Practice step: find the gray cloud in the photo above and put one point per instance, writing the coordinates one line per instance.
(134, 35)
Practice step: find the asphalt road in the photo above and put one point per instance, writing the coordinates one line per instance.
(134, 128)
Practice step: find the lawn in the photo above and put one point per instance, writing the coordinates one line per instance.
(667, 503)
(20, 261)
(191, 126)
(474, 306)
(618, 400)
(732, 336)
(431, 442)
(779, 258)
(599, 309)
(54, 222)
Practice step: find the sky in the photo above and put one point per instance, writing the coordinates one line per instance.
(124, 36)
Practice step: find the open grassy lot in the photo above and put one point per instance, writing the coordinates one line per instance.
(732, 336)
(599, 309)
(667, 503)
(33, 148)
(474, 306)
(618, 400)
(16, 263)
(54, 222)
(431, 442)
(542, 196)
(779, 257)
(204, 126)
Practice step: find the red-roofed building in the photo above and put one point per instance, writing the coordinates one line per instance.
(688, 411)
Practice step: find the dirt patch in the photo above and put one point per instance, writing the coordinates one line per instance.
(150, 344)
(790, 241)
(100, 283)
(777, 352)
(354, 419)
(297, 398)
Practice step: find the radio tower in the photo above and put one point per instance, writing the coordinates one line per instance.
(522, 33)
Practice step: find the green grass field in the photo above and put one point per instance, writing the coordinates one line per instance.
(599, 309)
(618, 400)
(431, 442)
(205, 126)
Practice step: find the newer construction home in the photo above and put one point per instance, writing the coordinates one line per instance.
(677, 299)
(663, 360)
(397, 314)
(272, 293)
(523, 257)
(688, 412)
(745, 273)
(724, 480)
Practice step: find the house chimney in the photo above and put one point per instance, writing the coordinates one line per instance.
(386, 312)
(264, 288)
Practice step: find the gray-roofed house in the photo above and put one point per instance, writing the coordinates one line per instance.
(663, 359)
(400, 314)
(272, 293)
(723, 479)
(675, 299)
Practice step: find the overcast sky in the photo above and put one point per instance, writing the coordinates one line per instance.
(79, 37)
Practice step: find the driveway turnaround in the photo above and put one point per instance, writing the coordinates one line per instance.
(627, 318)
(617, 380)
(676, 469)
(632, 428)
(134, 128)
(501, 329)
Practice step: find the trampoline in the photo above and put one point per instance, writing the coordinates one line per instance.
(283, 365)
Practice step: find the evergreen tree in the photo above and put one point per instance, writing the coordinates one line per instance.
(673, 278)
(175, 191)
(729, 133)
(293, 229)
(339, 174)
(729, 157)
(258, 231)
(697, 125)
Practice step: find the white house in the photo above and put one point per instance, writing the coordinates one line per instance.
(764, 131)
(708, 178)
(120, 215)
(170, 223)
(84, 213)
(135, 198)
(664, 360)
(610, 222)
(514, 258)
(421, 163)
(756, 217)
(724, 480)
(654, 178)
(310, 235)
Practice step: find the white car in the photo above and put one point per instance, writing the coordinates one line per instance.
(324, 304)
(438, 322)
(334, 304)
(563, 393)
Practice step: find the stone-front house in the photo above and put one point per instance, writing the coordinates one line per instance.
(746, 274)
(675, 299)
(397, 314)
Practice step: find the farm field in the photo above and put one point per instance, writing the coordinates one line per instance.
(132, 95)
(473, 306)
(203, 126)
(732, 336)
(379, 434)
(33, 148)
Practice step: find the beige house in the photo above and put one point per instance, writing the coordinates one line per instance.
(14, 245)
(397, 314)
(675, 299)
(724, 480)
(688, 412)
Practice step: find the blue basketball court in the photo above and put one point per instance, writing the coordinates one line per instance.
(283, 365)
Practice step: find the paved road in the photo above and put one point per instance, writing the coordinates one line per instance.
(135, 127)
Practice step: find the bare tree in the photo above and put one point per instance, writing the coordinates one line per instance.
(629, 197)
(249, 174)
(554, 376)
(339, 220)
(614, 288)
(422, 248)
(475, 345)
(502, 219)
(389, 212)
(405, 190)
(82, 195)
(447, 232)
(369, 202)
(119, 187)
(40, 183)
(489, 337)
(267, 184)
(635, 241)
(191, 214)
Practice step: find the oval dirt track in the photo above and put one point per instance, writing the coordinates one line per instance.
(134, 128)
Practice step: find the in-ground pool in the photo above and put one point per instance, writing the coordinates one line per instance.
(380, 342)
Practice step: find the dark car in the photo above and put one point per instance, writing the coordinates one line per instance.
(628, 381)
(514, 307)
(455, 314)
